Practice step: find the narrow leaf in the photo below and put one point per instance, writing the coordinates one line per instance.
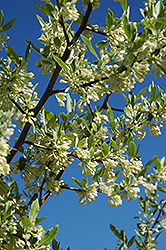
(40, 219)
(33, 212)
(114, 145)
(33, 47)
(12, 54)
(161, 189)
(105, 148)
(131, 241)
(9, 24)
(50, 235)
(76, 182)
(40, 8)
(124, 4)
(25, 222)
(88, 43)
(27, 51)
(132, 149)
(108, 20)
(142, 92)
(115, 231)
(1, 18)
(60, 63)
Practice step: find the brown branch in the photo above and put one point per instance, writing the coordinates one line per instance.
(48, 192)
(64, 30)
(91, 110)
(119, 110)
(38, 146)
(156, 221)
(104, 106)
(53, 92)
(16, 104)
(41, 189)
(49, 88)
(97, 31)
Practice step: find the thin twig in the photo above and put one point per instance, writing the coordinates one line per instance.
(16, 104)
(38, 146)
(91, 110)
(49, 88)
(64, 30)
(53, 92)
(156, 221)
(41, 189)
(97, 31)
(104, 106)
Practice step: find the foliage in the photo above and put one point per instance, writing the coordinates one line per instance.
(104, 143)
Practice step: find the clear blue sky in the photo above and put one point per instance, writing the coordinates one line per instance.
(82, 227)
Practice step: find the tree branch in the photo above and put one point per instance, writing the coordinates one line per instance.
(97, 31)
(104, 106)
(16, 104)
(91, 110)
(64, 30)
(49, 88)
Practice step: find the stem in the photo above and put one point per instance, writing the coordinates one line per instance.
(49, 88)
(104, 106)
(97, 31)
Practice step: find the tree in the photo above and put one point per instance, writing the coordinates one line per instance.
(103, 139)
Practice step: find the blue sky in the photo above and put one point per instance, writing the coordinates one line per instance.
(82, 227)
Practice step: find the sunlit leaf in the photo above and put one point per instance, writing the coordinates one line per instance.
(50, 235)
(132, 149)
(61, 63)
(88, 43)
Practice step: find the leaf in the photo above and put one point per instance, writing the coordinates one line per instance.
(101, 43)
(50, 9)
(115, 231)
(132, 149)
(114, 145)
(124, 4)
(50, 235)
(1, 18)
(142, 92)
(128, 112)
(76, 182)
(161, 20)
(127, 26)
(22, 161)
(109, 20)
(143, 171)
(12, 54)
(105, 148)
(81, 142)
(27, 51)
(55, 244)
(40, 8)
(86, 125)
(131, 241)
(157, 163)
(88, 43)
(61, 63)
(152, 92)
(90, 141)
(69, 103)
(9, 24)
(161, 189)
(157, 9)
(25, 222)
(34, 210)
(110, 112)
(40, 219)
(33, 47)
